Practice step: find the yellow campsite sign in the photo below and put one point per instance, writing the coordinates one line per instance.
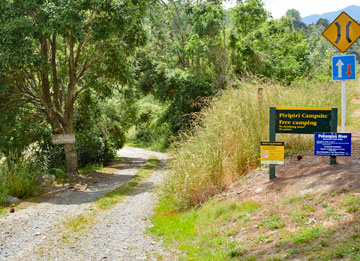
(272, 152)
(342, 32)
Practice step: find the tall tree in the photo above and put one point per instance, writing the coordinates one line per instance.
(295, 16)
(52, 51)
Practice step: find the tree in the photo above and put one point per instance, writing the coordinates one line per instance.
(295, 16)
(184, 60)
(323, 21)
(247, 15)
(52, 51)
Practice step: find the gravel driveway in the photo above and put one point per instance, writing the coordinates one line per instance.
(35, 233)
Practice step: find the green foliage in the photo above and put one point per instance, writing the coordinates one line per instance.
(308, 234)
(54, 52)
(351, 202)
(248, 15)
(19, 177)
(273, 222)
(18, 130)
(274, 50)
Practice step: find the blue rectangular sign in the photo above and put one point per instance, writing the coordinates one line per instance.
(332, 144)
(343, 68)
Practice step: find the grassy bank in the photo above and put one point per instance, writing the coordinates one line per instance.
(308, 227)
(225, 142)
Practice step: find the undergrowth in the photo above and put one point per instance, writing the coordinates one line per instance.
(19, 177)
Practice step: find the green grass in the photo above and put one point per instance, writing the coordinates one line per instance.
(233, 230)
(19, 177)
(351, 202)
(198, 233)
(272, 223)
(307, 234)
(299, 217)
(90, 167)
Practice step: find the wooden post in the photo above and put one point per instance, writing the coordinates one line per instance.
(334, 119)
(272, 137)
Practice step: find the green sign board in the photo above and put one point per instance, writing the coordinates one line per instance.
(302, 120)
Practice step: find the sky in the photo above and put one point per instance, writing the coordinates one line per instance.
(278, 8)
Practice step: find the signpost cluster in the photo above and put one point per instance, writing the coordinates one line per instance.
(321, 122)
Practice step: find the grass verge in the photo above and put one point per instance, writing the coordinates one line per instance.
(200, 234)
(228, 230)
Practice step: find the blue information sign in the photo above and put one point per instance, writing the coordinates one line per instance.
(332, 144)
(343, 68)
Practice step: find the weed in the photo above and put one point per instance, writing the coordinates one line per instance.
(90, 167)
(308, 207)
(291, 254)
(296, 199)
(299, 217)
(272, 223)
(79, 223)
(235, 250)
(325, 204)
(307, 234)
(351, 202)
(331, 212)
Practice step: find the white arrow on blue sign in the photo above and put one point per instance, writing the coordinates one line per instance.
(343, 68)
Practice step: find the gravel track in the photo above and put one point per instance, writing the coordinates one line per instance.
(35, 233)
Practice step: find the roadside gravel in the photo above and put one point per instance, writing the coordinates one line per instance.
(36, 232)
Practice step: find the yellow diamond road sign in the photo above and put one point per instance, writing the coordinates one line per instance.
(342, 32)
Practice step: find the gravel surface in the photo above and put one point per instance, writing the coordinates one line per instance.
(36, 232)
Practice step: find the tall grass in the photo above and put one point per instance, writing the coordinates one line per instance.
(226, 141)
(19, 177)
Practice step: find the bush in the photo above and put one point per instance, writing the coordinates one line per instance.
(226, 140)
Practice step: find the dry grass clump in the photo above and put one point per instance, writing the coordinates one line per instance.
(226, 142)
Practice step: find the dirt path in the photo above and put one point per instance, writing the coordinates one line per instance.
(35, 232)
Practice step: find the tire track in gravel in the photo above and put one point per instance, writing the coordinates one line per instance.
(32, 233)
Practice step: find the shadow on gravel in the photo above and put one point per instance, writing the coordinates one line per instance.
(92, 186)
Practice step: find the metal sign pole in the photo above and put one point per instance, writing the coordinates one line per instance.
(343, 106)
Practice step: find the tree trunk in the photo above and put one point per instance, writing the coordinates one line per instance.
(71, 159)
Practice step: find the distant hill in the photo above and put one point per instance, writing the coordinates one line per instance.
(353, 11)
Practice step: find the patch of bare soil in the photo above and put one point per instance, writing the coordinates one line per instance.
(311, 174)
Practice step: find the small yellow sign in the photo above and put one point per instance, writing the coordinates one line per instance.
(272, 152)
(342, 32)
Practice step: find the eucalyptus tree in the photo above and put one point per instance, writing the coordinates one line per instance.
(52, 51)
